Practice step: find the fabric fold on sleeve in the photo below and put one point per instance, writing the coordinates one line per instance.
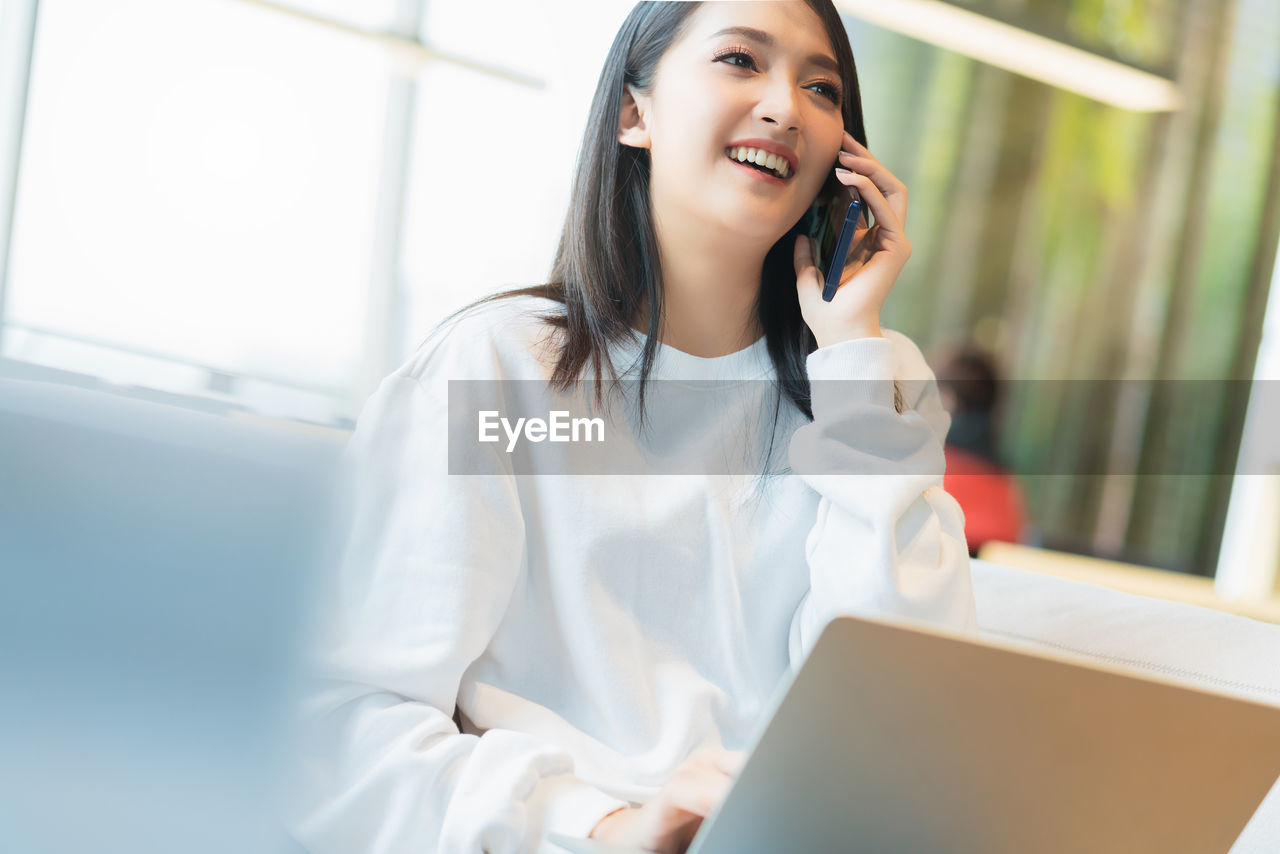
(888, 540)
(571, 807)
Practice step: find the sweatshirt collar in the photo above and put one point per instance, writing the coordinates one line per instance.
(749, 363)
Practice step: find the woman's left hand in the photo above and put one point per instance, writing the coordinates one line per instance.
(876, 256)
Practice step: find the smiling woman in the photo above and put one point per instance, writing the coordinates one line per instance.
(729, 73)
(516, 655)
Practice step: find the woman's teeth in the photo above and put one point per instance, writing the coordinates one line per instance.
(778, 165)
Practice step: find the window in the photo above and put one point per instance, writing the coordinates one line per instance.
(269, 204)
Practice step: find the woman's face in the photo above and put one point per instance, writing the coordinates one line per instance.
(753, 74)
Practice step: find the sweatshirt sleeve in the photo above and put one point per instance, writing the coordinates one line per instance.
(430, 567)
(888, 540)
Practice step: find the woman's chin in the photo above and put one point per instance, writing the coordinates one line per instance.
(761, 218)
(755, 234)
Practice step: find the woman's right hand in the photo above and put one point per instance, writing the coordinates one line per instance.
(668, 822)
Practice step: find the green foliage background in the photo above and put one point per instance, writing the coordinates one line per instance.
(1079, 241)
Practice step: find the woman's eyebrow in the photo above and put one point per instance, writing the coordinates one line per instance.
(821, 60)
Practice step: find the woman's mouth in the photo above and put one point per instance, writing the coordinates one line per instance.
(760, 161)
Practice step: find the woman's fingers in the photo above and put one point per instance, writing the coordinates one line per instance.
(730, 761)
(861, 159)
(808, 277)
(698, 789)
(856, 147)
(803, 254)
(894, 191)
(886, 217)
(668, 822)
(721, 758)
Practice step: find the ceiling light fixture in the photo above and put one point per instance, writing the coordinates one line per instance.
(1020, 51)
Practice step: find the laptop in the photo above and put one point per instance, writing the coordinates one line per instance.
(899, 736)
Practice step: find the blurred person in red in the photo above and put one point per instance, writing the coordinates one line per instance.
(990, 495)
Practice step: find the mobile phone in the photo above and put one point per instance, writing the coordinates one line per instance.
(840, 254)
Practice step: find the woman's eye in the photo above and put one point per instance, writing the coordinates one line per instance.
(729, 57)
(828, 91)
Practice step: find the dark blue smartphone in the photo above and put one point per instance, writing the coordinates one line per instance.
(841, 252)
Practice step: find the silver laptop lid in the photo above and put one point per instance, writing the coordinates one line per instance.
(898, 736)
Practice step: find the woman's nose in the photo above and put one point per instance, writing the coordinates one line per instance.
(780, 105)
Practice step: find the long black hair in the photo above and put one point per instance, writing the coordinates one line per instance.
(606, 268)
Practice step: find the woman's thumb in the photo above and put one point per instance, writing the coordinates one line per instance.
(808, 279)
(731, 761)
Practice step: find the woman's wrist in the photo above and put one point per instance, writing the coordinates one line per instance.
(851, 334)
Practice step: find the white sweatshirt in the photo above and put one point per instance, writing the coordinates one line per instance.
(594, 631)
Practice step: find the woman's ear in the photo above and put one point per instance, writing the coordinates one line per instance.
(633, 128)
